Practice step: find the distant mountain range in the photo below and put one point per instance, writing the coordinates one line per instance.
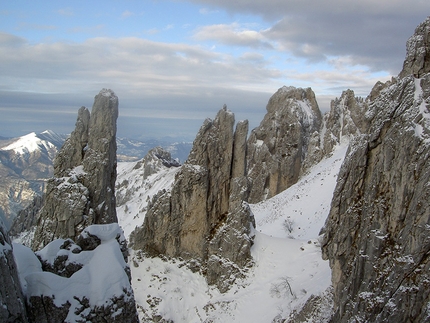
(26, 163)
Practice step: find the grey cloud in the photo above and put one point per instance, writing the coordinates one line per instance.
(373, 33)
(43, 85)
(233, 34)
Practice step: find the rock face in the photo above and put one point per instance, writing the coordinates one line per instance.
(377, 235)
(154, 160)
(82, 191)
(25, 222)
(83, 281)
(277, 148)
(12, 301)
(346, 119)
(417, 60)
(204, 205)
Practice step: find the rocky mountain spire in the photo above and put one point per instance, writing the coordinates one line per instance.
(82, 191)
(194, 219)
(377, 233)
(417, 61)
(277, 148)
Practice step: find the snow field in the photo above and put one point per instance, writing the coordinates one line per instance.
(287, 268)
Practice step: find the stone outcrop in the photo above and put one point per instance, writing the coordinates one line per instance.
(417, 62)
(83, 281)
(377, 235)
(12, 301)
(25, 222)
(345, 120)
(204, 205)
(277, 148)
(154, 160)
(82, 191)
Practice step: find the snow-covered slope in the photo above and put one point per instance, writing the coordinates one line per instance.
(287, 271)
(133, 191)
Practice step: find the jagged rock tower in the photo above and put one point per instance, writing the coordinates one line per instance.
(377, 235)
(82, 191)
(277, 148)
(205, 206)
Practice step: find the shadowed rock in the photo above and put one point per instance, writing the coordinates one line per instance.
(377, 234)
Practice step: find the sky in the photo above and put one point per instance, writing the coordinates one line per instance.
(173, 63)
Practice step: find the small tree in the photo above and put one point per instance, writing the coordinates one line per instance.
(288, 225)
(282, 289)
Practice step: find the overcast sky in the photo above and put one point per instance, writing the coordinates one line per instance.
(174, 63)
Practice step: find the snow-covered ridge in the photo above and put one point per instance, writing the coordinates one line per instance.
(28, 144)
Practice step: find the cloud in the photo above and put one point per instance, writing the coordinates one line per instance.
(127, 14)
(206, 11)
(372, 33)
(24, 26)
(233, 34)
(66, 12)
(87, 29)
(152, 80)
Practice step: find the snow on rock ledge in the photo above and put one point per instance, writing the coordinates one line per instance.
(84, 281)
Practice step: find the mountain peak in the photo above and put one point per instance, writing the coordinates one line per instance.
(417, 61)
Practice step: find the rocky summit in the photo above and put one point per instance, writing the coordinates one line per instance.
(205, 206)
(277, 148)
(82, 191)
(377, 234)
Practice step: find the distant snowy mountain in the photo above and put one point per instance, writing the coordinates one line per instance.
(288, 269)
(25, 164)
(133, 150)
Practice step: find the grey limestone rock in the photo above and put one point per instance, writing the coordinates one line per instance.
(277, 148)
(377, 235)
(417, 60)
(12, 301)
(198, 211)
(346, 119)
(82, 191)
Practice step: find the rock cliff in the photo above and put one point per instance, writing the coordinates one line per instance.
(377, 234)
(277, 148)
(12, 301)
(204, 205)
(82, 191)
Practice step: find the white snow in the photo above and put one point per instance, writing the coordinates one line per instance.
(307, 109)
(423, 111)
(282, 260)
(102, 276)
(305, 205)
(27, 144)
(132, 212)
